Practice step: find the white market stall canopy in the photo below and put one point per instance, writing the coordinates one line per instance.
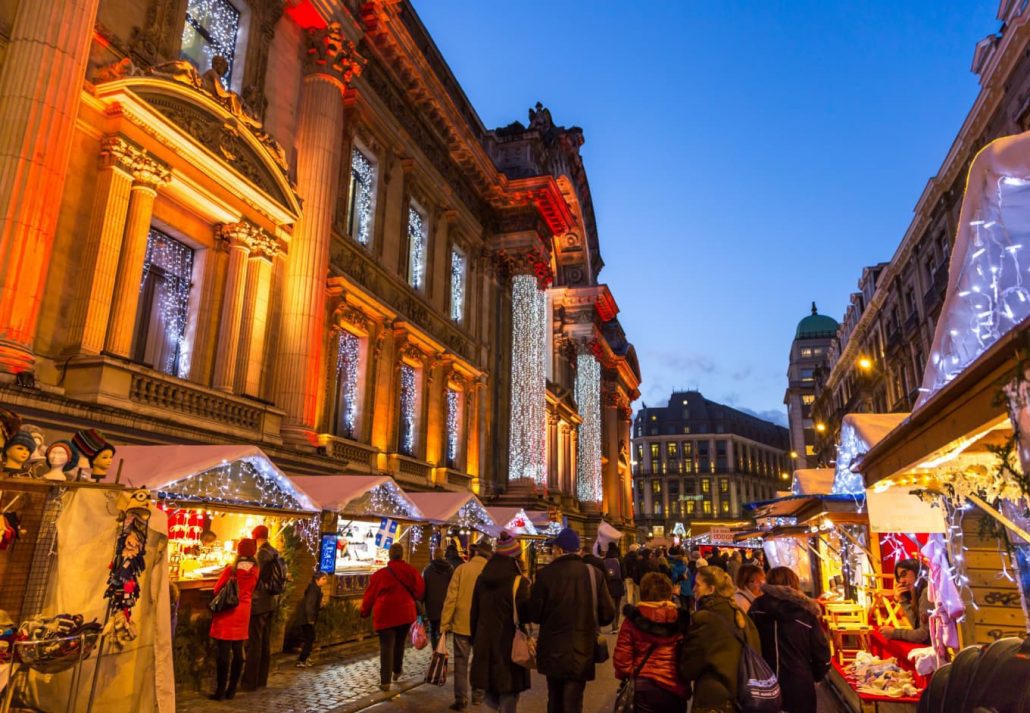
(812, 481)
(358, 495)
(515, 520)
(461, 509)
(858, 433)
(240, 476)
(543, 523)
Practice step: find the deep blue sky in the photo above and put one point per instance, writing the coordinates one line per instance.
(745, 158)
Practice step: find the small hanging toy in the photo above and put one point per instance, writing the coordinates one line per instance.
(129, 562)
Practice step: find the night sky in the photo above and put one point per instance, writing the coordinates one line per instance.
(745, 158)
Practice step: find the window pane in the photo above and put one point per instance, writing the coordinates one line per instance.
(409, 402)
(457, 285)
(348, 355)
(417, 232)
(210, 29)
(362, 197)
(163, 310)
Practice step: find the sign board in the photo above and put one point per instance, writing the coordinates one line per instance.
(897, 510)
(720, 534)
(327, 553)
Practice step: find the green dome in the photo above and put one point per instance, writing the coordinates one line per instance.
(816, 325)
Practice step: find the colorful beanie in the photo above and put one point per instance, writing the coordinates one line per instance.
(89, 442)
(507, 546)
(21, 438)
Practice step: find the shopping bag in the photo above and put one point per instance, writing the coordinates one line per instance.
(418, 635)
(436, 674)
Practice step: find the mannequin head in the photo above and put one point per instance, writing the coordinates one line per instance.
(18, 449)
(39, 452)
(101, 462)
(60, 458)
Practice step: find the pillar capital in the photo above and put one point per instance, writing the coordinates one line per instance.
(328, 53)
(118, 152)
(250, 237)
(149, 173)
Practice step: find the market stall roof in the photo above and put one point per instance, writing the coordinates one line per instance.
(859, 432)
(543, 523)
(812, 481)
(446, 508)
(235, 476)
(515, 520)
(803, 507)
(357, 495)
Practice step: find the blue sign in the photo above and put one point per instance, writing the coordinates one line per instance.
(327, 554)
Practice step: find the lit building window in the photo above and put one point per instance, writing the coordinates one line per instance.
(418, 236)
(671, 449)
(806, 352)
(655, 451)
(706, 485)
(409, 410)
(724, 485)
(453, 427)
(706, 507)
(724, 506)
(164, 299)
(457, 284)
(348, 362)
(361, 199)
(807, 399)
(211, 28)
(656, 497)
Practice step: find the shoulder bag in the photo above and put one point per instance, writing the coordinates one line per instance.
(523, 646)
(758, 689)
(600, 643)
(627, 689)
(228, 597)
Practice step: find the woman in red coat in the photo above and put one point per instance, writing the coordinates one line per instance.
(230, 628)
(390, 599)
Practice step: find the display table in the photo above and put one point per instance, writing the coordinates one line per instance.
(867, 702)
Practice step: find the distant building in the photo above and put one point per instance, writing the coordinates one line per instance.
(698, 461)
(813, 341)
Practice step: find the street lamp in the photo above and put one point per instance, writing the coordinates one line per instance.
(821, 427)
(785, 475)
(865, 363)
(794, 455)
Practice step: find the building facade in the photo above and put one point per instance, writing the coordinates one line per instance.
(698, 462)
(814, 336)
(884, 340)
(282, 223)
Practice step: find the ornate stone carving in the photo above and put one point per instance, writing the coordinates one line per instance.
(411, 352)
(149, 172)
(159, 38)
(118, 151)
(117, 70)
(346, 314)
(245, 233)
(527, 262)
(327, 52)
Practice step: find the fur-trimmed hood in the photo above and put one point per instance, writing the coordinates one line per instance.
(785, 602)
(658, 619)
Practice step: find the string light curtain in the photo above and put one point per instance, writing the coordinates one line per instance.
(417, 238)
(453, 426)
(528, 398)
(211, 28)
(362, 197)
(588, 455)
(163, 309)
(457, 285)
(348, 356)
(408, 410)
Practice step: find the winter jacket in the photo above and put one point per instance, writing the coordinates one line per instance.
(458, 605)
(918, 616)
(793, 643)
(743, 599)
(711, 652)
(658, 624)
(629, 565)
(437, 575)
(493, 627)
(682, 577)
(311, 604)
(263, 601)
(614, 576)
(391, 595)
(234, 624)
(562, 603)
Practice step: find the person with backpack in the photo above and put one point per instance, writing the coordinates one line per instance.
(271, 583)
(714, 647)
(392, 594)
(231, 626)
(647, 648)
(616, 586)
(793, 642)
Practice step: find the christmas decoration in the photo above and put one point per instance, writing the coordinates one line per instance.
(528, 398)
(363, 181)
(210, 30)
(417, 237)
(457, 285)
(408, 413)
(588, 457)
(347, 355)
(169, 265)
(453, 426)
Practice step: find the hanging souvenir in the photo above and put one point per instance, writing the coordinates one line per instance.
(129, 562)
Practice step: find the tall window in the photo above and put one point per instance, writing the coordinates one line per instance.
(362, 196)
(348, 397)
(671, 449)
(418, 236)
(656, 497)
(453, 427)
(674, 497)
(408, 410)
(458, 285)
(163, 310)
(211, 28)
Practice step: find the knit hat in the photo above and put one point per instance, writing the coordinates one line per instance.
(260, 532)
(73, 457)
(507, 545)
(89, 442)
(21, 438)
(10, 423)
(246, 547)
(567, 540)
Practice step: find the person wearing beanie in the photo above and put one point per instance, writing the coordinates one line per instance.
(455, 618)
(391, 598)
(271, 574)
(231, 627)
(501, 594)
(570, 601)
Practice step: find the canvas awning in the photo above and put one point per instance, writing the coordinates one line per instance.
(359, 495)
(219, 476)
(462, 509)
(812, 481)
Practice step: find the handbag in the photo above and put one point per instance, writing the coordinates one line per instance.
(228, 597)
(418, 635)
(436, 674)
(523, 646)
(600, 643)
(627, 689)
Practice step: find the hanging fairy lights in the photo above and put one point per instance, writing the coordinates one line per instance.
(846, 482)
(409, 398)
(588, 455)
(363, 181)
(417, 238)
(245, 482)
(347, 355)
(211, 28)
(453, 425)
(528, 397)
(167, 274)
(474, 516)
(457, 284)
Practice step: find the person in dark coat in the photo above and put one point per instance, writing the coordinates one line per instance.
(646, 563)
(437, 576)
(231, 627)
(262, 613)
(563, 603)
(452, 557)
(710, 658)
(494, 602)
(309, 608)
(793, 642)
(629, 571)
(614, 576)
(391, 598)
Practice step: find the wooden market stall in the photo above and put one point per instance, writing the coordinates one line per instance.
(458, 518)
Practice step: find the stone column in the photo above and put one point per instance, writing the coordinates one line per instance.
(104, 241)
(553, 473)
(528, 397)
(331, 63)
(254, 325)
(237, 239)
(610, 448)
(40, 83)
(148, 175)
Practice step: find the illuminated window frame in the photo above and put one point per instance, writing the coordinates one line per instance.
(418, 246)
(201, 16)
(361, 195)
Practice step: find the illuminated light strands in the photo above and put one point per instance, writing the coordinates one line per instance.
(453, 412)
(846, 482)
(363, 175)
(473, 516)
(457, 285)
(172, 264)
(385, 499)
(417, 236)
(211, 28)
(407, 414)
(528, 397)
(347, 355)
(588, 456)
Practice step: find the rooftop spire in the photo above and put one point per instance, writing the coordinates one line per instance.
(814, 310)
